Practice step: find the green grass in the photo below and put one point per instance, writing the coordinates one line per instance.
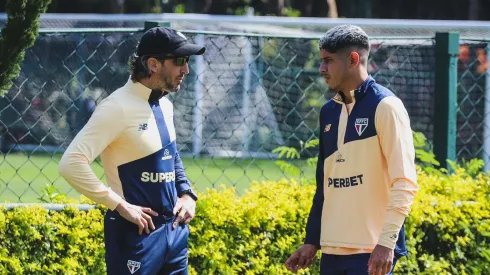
(23, 177)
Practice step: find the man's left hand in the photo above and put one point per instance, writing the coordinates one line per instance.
(381, 260)
(184, 209)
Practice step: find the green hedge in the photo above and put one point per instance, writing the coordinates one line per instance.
(448, 231)
(449, 226)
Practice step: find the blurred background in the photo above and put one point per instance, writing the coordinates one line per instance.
(379, 9)
(247, 124)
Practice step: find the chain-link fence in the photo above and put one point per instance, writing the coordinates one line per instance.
(247, 95)
(473, 121)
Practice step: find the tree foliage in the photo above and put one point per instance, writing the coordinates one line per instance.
(19, 33)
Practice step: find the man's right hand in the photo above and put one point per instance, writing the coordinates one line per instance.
(137, 215)
(303, 257)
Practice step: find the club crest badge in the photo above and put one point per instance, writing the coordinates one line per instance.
(133, 266)
(361, 125)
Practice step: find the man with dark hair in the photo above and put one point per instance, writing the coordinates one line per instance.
(366, 176)
(149, 198)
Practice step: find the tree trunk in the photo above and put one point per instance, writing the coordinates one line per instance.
(280, 7)
(332, 9)
(474, 9)
(308, 8)
(207, 6)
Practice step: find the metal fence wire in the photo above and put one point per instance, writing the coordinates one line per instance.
(473, 76)
(247, 95)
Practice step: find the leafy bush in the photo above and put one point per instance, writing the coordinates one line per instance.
(449, 226)
(34, 240)
(250, 234)
(448, 230)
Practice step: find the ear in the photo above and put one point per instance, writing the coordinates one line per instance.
(355, 59)
(153, 64)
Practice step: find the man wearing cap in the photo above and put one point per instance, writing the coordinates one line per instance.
(149, 199)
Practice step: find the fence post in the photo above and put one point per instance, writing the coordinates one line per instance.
(486, 117)
(198, 108)
(445, 100)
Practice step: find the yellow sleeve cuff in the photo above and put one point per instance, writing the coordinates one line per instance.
(393, 224)
(113, 200)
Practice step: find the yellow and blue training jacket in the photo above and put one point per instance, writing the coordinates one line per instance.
(366, 175)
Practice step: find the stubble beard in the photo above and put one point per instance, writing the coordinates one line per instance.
(166, 83)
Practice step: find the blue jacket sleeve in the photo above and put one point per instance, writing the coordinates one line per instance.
(181, 181)
(313, 225)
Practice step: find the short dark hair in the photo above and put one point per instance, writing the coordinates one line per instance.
(138, 67)
(344, 37)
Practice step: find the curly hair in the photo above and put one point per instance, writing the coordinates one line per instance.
(346, 37)
(138, 68)
(343, 37)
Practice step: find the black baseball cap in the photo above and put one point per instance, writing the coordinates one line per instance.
(163, 41)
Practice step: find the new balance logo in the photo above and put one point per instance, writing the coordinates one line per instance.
(327, 128)
(133, 266)
(143, 126)
(166, 155)
(181, 35)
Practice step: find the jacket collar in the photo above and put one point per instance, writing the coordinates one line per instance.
(144, 92)
(358, 93)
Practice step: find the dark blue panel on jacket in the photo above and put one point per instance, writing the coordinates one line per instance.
(150, 181)
(329, 128)
(361, 123)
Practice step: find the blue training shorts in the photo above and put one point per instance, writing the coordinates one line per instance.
(356, 264)
(162, 252)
